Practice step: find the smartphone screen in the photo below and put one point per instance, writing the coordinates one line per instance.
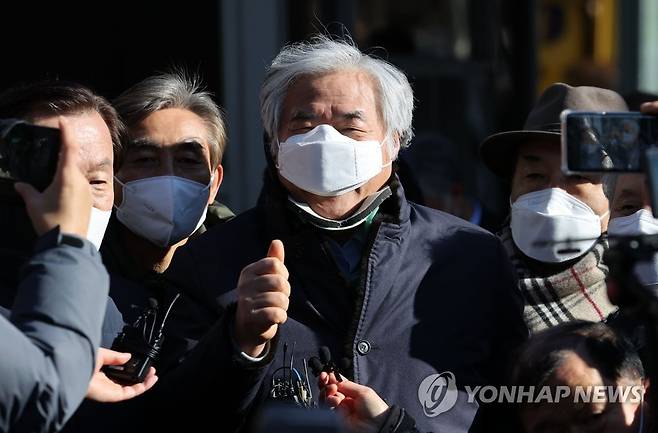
(606, 141)
(29, 153)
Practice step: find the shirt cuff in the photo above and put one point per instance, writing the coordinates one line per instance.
(55, 237)
(262, 356)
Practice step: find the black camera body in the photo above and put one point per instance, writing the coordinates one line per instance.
(143, 340)
(144, 354)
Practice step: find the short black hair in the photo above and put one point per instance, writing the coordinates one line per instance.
(58, 97)
(608, 351)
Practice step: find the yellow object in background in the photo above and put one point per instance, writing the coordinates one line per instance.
(577, 42)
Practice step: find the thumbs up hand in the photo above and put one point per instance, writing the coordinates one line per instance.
(263, 297)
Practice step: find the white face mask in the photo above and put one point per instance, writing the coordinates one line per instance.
(540, 219)
(326, 163)
(163, 209)
(97, 224)
(641, 222)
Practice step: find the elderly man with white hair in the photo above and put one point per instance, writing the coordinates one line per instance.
(412, 302)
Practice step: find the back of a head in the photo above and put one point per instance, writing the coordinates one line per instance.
(55, 98)
(321, 55)
(173, 89)
(605, 349)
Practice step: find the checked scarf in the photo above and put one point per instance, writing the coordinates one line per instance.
(553, 294)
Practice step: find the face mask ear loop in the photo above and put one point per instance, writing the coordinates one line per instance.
(278, 151)
(123, 188)
(641, 429)
(116, 179)
(381, 145)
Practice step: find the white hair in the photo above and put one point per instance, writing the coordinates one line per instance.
(321, 55)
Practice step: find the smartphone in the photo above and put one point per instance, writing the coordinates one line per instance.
(606, 141)
(652, 178)
(29, 153)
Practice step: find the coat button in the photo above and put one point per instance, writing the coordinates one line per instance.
(363, 347)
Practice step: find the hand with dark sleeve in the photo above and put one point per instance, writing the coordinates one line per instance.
(214, 374)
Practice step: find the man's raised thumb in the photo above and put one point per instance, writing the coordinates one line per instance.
(276, 250)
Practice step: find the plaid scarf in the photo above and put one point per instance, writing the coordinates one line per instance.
(555, 294)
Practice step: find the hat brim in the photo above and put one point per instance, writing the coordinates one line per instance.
(499, 151)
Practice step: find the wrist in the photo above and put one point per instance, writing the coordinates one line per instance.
(253, 350)
(73, 229)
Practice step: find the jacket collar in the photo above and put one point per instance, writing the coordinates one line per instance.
(273, 199)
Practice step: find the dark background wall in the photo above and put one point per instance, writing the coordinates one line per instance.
(476, 66)
(107, 45)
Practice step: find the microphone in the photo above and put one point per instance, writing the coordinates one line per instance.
(325, 363)
(325, 355)
(316, 365)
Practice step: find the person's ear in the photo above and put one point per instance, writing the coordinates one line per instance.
(393, 146)
(218, 176)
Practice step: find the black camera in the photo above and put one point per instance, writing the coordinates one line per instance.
(29, 153)
(143, 340)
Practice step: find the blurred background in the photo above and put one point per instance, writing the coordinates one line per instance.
(476, 67)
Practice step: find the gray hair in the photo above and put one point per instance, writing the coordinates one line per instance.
(174, 89)
(321, 55)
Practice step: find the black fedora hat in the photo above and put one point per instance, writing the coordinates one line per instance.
(498, 151)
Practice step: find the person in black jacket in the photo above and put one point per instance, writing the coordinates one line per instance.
(334, 255)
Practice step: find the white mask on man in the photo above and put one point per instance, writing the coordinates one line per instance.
(541, 222)
(325, 162)
(163, 209)
(639, 223)
(98, 221)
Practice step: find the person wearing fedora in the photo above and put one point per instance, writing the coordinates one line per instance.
(554, 234)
